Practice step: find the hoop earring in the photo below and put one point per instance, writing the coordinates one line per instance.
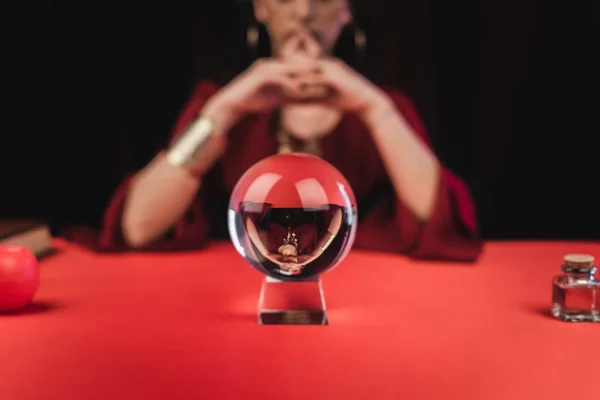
(360, 40)
(252, 37)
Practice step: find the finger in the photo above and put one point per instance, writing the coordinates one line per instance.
(301, 65)
(297, 81)
(277, 80)
(298, 67)
(319, 93)
(314, 86)
(328, 68)
(315, 92)
(301, 43)
(283, 85)
(298, 57)
(290, 46)
(334, 71)
(325, 81)
(309, 45)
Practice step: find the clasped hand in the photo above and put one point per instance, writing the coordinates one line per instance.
(299, 75)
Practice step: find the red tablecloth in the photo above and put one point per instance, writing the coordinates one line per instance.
(183, 326)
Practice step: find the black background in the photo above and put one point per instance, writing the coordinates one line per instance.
(507, 89)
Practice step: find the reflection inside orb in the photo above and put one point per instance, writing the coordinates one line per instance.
(293, 242)
(292, 217)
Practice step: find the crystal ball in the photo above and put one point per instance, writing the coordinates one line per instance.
(292, 216)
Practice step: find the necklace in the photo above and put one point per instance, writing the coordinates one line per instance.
(287, 145)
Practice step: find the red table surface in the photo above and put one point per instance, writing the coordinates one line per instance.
(183, 326)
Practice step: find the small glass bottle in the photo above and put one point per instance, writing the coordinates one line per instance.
(575, 294)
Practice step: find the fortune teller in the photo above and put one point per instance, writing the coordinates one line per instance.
(303, 95)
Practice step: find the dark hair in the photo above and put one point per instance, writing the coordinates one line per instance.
(235, 54)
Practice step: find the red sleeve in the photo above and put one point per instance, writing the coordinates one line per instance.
(190, 232)
(449, 234)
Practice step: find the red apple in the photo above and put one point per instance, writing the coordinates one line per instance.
(19, 277)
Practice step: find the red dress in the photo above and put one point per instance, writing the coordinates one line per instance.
(385, 224)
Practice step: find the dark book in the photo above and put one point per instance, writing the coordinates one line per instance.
(33, 234)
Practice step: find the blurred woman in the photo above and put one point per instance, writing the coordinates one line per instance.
(300, 98)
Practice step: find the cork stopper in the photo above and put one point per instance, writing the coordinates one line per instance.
(579, 261)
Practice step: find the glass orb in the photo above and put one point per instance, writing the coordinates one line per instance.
(292, 216)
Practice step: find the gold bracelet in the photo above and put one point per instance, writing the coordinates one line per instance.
(184, 149)
(325, 241)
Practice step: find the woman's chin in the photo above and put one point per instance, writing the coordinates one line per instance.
(304, 136)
